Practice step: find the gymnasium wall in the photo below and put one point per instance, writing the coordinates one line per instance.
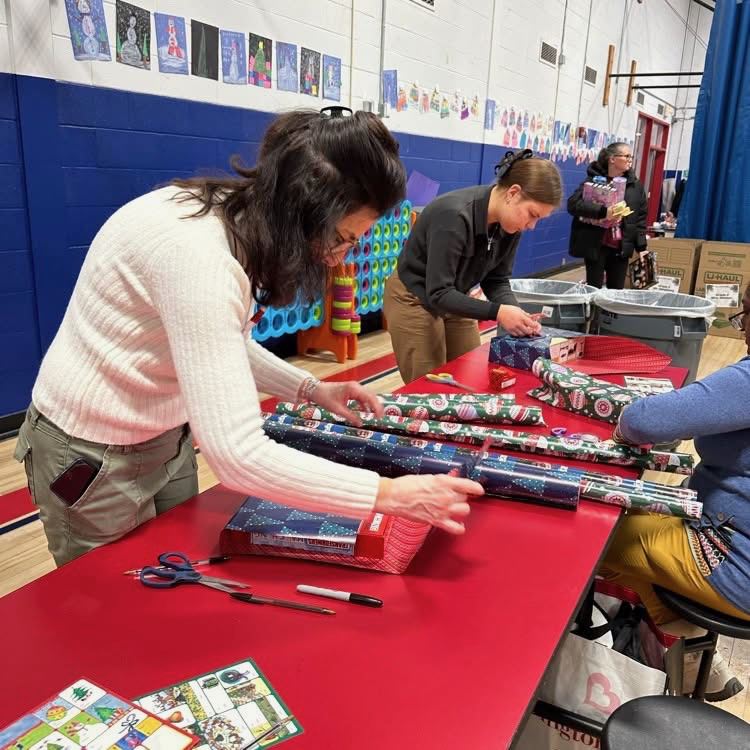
(80, 138)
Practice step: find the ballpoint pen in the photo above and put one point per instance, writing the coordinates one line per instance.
(207, 561)
(256, 599)
(269, 732)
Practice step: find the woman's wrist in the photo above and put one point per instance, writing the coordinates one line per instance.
(383, 499)
(307, 389)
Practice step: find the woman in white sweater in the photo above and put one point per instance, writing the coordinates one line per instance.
(157, 336)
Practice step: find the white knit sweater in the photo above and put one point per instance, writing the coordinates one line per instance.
(156, 334)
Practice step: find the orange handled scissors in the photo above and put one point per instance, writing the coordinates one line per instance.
(445, 378)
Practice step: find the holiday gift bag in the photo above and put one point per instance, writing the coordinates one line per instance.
(591, 678)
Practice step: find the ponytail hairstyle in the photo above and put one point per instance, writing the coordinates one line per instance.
(313, 169)
(608, 152)
(539, 179)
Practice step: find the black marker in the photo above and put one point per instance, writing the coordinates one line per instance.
(344, 596)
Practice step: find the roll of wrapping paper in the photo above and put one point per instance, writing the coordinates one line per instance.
(680, 502)
(367, 450)
(526, 442)
(455, 398)
(489, 409)
(604, 493)
(501, 475)
(576, 392)
(437, 408)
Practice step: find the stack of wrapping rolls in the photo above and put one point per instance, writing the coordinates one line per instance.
(579, 448)
(500, 475)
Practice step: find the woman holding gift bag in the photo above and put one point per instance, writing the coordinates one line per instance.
(608, 250)
(708, 560)
(157, 335)
(463, 239)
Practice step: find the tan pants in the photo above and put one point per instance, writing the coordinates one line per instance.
(651, 549)
(134, 483)
(422, 341)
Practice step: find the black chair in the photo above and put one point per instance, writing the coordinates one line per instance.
(663, 722)
(714, 622)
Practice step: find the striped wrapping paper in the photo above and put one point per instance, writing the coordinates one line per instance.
(436, 408)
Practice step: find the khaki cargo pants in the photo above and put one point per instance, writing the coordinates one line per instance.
(134, 483)
(422, 341)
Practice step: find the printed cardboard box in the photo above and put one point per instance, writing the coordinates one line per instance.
(676, 263)
(723, 276)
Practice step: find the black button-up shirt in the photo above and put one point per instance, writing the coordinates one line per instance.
(451, 250)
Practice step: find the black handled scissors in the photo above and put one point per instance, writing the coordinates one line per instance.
(175, 568)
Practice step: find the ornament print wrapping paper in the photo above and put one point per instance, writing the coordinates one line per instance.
(578, 393)
(490, 410)
(580, 448)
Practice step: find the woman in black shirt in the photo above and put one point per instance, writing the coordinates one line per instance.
(463, 239)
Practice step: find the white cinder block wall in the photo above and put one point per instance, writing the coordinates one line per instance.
(482, 48)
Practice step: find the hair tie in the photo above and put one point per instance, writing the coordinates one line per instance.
(336, 111)
(510, 158)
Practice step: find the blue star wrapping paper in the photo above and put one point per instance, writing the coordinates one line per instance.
(521, 352)
(500, 475)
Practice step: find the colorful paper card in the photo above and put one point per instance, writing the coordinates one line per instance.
(85, 716)
(260, 62)
(286, 67)
(233, 65)
(88, 29)
(171, 43)
(309, 72)
(226, 708)
(332, 78)
(133, 35)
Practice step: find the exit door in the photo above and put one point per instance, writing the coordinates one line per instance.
(649, 153)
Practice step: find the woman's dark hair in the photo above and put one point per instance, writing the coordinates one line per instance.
(281, 215)
(608, 152)
(539, 179)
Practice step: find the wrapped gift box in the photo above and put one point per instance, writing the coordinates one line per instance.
(260, 522)
(380, 542)
(553, 343)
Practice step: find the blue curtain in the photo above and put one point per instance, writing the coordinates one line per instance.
(716, 205)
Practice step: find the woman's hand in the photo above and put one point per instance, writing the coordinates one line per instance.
(334, 397)
(518, 322)
(438, 499)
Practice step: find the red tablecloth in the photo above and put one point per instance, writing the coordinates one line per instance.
(452, 660)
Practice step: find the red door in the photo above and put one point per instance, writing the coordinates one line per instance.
(649, 152)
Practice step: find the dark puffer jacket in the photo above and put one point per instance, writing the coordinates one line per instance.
(586, 239)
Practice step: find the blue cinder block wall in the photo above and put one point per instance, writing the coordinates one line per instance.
(70, 155)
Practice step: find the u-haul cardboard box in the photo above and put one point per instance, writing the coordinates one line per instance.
(676, 263)
(723, 276)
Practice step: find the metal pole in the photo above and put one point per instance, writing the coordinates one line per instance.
(676, 86)
(643, 75)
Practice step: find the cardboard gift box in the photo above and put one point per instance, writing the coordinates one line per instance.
(677, 263)
(554, 344)
(380, 542)
(723, 276)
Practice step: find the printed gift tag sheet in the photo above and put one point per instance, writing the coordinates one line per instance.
(85, 716)
(225, 708)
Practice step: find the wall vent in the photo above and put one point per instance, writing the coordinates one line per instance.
(548, 54)
(589, 75)
(660, 110)
(640, 98)
(426, 4)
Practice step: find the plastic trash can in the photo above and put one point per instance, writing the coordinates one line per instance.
(568, 303)
(675, 324)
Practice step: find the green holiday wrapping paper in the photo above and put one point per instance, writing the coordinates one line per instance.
(566, 447)
(578, 393)
(487, 408)
(436, 408)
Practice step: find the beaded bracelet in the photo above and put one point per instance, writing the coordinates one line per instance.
(307, 389)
